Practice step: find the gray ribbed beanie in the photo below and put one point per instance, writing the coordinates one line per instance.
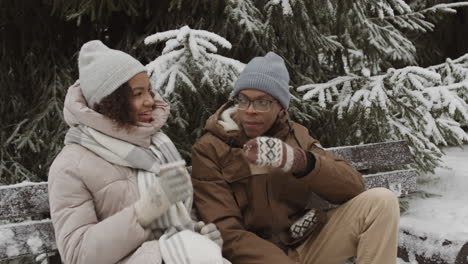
(103, 70)
(267, 74)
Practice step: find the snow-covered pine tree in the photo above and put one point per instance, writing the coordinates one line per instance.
(408, 103)
(454, 75)
(376, 35)
(319, 40)
(361, 36)
(412, 104)
(291, 28)
(24, 144)
(193, 78)
(454, 71)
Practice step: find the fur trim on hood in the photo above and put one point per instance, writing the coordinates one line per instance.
(225, 125)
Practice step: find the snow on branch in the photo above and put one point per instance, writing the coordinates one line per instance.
(210, 36)
(445, 97)
(448, 8)
(160, 37)
(412, 103)
(284, 4)
(384, 37)
(325, 91)
(401, 74)
(453, 71)
(451, 127)
(187, 53)
(406, 18)
(413, 21)
(432, 130)
(378, 93)
(246, 15)
(196, 40)
(400, 6)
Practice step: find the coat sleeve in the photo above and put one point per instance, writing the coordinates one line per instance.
(80, 237)
(333, 178)
(215, 203)
(148, 253)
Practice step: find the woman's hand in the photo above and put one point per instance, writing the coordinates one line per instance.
(172, 185)
(210, 231)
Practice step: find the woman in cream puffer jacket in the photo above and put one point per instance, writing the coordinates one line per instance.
(119, 184)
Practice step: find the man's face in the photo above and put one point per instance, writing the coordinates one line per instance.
(256, 123)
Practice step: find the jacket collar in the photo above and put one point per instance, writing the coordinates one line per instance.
(225, 125)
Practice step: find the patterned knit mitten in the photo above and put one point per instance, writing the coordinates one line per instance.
(303, 224)
(268, 151)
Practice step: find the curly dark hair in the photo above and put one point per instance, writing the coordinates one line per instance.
(116, 106)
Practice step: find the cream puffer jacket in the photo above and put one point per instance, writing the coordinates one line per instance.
(91, 200)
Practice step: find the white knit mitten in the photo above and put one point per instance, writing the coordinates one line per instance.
(268, 151)
(210, 231)
(172, 186)
(147, 253)
(176, 184)
(188, 247)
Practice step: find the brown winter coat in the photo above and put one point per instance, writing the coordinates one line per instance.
(254, 207)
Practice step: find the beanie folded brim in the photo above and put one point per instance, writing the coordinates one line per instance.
(119, 76)
(264, 83)
(103, 70)
(268, 74)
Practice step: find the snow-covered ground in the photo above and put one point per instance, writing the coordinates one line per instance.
(443, 216)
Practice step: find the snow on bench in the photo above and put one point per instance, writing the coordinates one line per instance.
(435, 224)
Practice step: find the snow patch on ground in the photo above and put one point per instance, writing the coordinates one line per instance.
(433, 245)
(400, 261)
(443, 216)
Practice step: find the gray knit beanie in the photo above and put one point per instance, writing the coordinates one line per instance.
(103, 70)
(267, 74)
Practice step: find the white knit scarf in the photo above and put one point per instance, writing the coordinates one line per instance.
(149, 162)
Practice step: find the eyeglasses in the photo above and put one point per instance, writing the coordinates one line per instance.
(261, 105)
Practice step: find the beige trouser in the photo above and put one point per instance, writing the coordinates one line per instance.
(365, 227)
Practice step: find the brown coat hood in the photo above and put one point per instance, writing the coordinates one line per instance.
(225, 125)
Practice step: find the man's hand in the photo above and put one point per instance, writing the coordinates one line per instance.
(268, 151)
(210, 231)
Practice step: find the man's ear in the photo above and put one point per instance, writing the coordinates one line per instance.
(281, 113)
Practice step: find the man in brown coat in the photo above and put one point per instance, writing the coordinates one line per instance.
(261, 178)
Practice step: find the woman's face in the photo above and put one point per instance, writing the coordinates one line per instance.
(141, 98)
